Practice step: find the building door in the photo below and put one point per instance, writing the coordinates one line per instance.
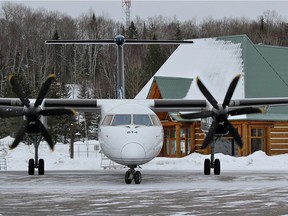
(169, 142)
(227, 146)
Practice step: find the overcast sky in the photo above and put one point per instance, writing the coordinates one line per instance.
(183, 10)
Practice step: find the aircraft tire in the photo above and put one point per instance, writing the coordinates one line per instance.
(31, 168)
(217, 167)
(137, 177)
(41, 167)
(207, 167)
(127, 175)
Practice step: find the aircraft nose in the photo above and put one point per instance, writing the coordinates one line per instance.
(133, 152)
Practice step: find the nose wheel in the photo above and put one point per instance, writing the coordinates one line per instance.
(32, 165)
(131, 175)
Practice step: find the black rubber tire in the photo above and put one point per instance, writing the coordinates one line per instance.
(41, 167)
(137, 177)
(31, 168)
(127, 175)
(207, 166)
(217, 167)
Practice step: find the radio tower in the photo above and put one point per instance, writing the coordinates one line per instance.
(126, 5)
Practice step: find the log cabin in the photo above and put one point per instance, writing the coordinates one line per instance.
(264, 72)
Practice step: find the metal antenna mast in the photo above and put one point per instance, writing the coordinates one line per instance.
(126, 5)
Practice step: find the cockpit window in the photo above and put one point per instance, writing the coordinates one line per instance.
(107, 120)
(155, 120)
(142, 120)
(121, 120)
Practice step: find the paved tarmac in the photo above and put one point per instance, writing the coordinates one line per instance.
(103, 192)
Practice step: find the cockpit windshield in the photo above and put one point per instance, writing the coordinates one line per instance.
(142, 120)
(121, 119)
(127, 119)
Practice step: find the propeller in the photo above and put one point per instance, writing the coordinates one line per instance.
(220, 113)
(32, 112)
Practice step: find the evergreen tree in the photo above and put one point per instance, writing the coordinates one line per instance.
(132, 31)
(154, 59)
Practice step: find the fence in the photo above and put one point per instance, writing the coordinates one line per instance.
(86, 149)
(3, 153)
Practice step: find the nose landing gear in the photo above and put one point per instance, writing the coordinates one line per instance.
(131, 175)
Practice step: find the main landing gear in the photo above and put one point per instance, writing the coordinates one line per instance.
(35, 163)
(131, 175)
(212, 163)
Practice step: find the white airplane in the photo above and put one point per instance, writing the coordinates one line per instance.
(130, 133)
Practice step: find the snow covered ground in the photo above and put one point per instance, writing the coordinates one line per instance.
(17, 159)
(256, 184)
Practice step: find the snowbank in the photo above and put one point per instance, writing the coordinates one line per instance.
(17, 159)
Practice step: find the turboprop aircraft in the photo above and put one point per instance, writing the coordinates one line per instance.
(130, 133)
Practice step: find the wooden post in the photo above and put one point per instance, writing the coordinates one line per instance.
(178, 140)
(72, 141)
(245, 138)
(268, 141)
(193, 139)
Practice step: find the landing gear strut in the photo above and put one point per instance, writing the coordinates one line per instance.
(212, 163)
(35, 163)
(132, 174)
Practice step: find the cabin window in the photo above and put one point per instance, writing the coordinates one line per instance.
(183, 145)
(142, 120)
(121, 120)
(257, 139)
(107, 120)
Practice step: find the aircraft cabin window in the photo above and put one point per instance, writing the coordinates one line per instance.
(121, 120)
(142, 120)
(107, 120)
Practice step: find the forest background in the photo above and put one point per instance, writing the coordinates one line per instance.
(90, 70)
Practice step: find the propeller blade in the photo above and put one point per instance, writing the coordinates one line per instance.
(206, 93)
(11, 113)
(54, 112)
(18, 91)
(245, 110)
(45, 134)
(230, 91)
(203, 114)
(234, 133)
(44, 89)
(20, 134)
(210, 134)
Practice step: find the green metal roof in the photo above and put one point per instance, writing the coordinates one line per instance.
(265, 73)
(173, 87)
(265, 70)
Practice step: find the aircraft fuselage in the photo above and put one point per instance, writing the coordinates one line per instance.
(131, 134)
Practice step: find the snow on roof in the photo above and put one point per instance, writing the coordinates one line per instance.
(216, 62)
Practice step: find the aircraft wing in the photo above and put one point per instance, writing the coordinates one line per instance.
(157, 105)
(94, 105)
(10, 102)
(259, 102)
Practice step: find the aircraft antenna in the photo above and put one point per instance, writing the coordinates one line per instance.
(126, 6)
